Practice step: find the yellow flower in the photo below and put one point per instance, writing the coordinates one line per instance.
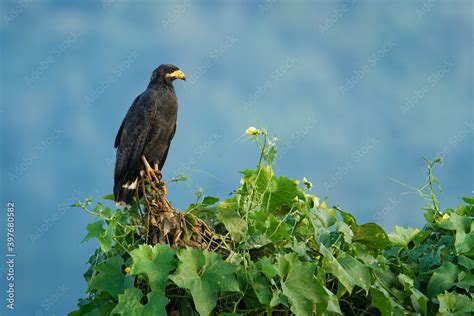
(127, 270)
(252, 131)
(446, 216)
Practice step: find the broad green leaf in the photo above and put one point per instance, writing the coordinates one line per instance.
(262, 289)
(94, 230)
(466, 262)
(105, 240)
(331, 265)
(381, 302)
(281, 192)
(129, 303)
(345, 230)
(104, 236)
(156, 262)
(442, 279)
(109, 197)
(233, 222)
(299, 284)
(465, 243)
(468, 200)
(327, 216)
(156, 304)
(358, 271)
(465, 280)
(455, 304)
(402, 236)
(372, 235)
(419, 300)
(266, 266)
(109, 277)
(348, 219)
(263, 177)
(204, 274)
(209, 200)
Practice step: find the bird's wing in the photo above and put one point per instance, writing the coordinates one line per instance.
(119, 133)
(163, 159)
(132, 137)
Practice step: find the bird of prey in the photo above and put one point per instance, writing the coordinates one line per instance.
(147, 131)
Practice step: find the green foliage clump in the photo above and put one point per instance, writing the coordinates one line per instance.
(283, 251)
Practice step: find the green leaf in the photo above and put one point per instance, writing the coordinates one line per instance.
(262, 289)
(442, 279)
(466, 280)
(402, 236)
(372, 235)
(209, 200)
(468, 200)
(109, 197)
(104, 236)
(233, 222)
(266, 266)
(94, 230)
(347, 218)
(299, 284)
(345, 230)
(281, 192)
(204, 274)
(156, 262)
(381, 302)
(129, 303)
(356, 270)
(156, 304)
(466, 262)
(109, 277)
(331, 265)
(327, 216)
(455, 304)
(418, 299)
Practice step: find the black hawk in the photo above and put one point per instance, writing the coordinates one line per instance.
(147, 130)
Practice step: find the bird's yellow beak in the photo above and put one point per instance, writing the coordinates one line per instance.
(177, 74)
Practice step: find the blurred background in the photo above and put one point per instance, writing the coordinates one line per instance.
(358, 93)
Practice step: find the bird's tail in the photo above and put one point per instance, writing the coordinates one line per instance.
(124, 193)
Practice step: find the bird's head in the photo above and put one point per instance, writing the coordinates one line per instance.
(167, 73)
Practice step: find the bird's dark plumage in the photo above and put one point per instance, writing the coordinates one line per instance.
(147, 129)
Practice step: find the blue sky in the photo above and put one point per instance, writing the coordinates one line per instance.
(358, 92)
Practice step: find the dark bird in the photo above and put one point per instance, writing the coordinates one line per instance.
(147, 130)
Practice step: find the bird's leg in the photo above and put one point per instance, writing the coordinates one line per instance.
(148, 169)
(162, 184)
(157, 171)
